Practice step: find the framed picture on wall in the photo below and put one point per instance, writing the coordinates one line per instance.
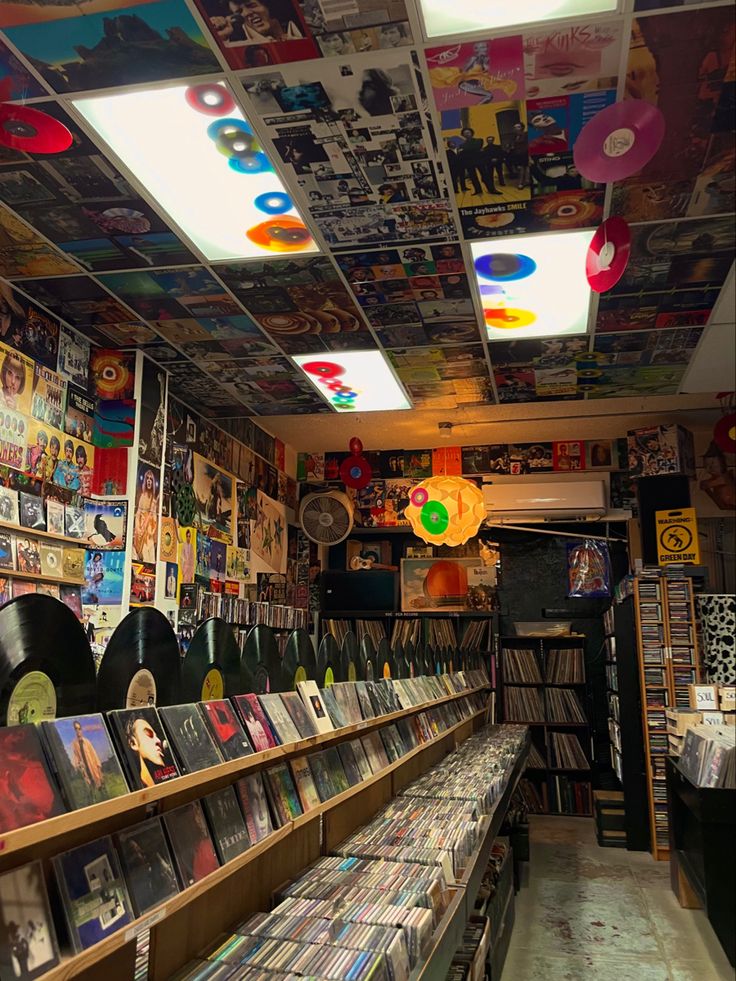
(446, 585)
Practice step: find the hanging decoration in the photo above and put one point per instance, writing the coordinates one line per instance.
(355, 470)
(608, 254)
(445, 510)
(30, 130)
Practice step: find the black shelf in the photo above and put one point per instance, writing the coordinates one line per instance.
(546, 684)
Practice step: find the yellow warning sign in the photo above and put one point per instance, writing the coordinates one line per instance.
(677, 537)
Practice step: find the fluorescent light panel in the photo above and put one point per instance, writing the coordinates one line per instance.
(533, 285)
(165, 142)
(442, 17)
(354, 381)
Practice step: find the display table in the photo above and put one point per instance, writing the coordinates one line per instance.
(703, 852)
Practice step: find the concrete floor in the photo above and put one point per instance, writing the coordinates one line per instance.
(586, 913)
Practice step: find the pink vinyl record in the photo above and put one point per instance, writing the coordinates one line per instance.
(608, 255)
(618, 141)
(32, 131)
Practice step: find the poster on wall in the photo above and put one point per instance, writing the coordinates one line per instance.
(105, 523)
(213, 489)
(16, 380)
(103, 575)
(145, 523)
(445, 585)
(268, 536)
(73, 357)
(152, 414)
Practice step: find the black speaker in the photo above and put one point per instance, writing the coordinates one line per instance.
(658, 494)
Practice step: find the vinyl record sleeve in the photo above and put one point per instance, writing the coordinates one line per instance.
(28, 946)
(226, 729)
(147, 865)
(84, 759)
(227, 824)
(256, 722)
(190, 737)
(252, 796)
(282, 795)
(279, 718)
(310, 696)
(299, 715)
(28, 791)
(93, 892)
(305, 785)
(349, 763)
(333, 709)
(143, 748)
(191, 844)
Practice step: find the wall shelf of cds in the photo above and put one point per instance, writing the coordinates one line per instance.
(38, 577)
(195, 916)
(38, 533)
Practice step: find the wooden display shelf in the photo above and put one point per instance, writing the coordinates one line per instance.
(39, 533)
(72, 966)
(190, 785)
(39, 577)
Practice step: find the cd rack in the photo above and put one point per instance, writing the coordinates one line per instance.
(199, 912)
(669, 661)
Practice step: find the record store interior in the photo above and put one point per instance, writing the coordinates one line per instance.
(367, 490)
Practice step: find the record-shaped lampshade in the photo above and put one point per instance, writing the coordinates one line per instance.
(445, 510)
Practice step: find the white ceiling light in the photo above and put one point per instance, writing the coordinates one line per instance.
(442, 17)
(354, 381)
(533, 285)
(193, 150)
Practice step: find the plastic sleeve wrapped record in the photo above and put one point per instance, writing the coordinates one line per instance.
(329, 667)
(260, 664)
(410, 655)
(399, 661)
(299, 662)
(349, 662)
(46, 665)
(367, 657)
(430, 660)
(212, 650)
(141, 664)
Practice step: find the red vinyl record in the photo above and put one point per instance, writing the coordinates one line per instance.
(608, 254)
(618, 141)
(32, 131)
(724, 434)
(356, 472)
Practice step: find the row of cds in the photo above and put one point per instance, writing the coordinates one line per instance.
(41, 680)
(370, 909)
(88, 758)
(104, 884)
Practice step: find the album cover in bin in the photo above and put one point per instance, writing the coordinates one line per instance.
(28, 946)
(318, 764)
(191, 844)
(361, 759)
(282, 795)
(147, 865)
(28, 791)
(310, 696)
(333, 709)
(144, 750)
(304, 781)
(93, 892)
(349, 763)
(225, 728)
(336, 770)
(84, 759)
(299, 715)
(227, 824)
(256, 722)
(279, 718)
(193, 745)
(252, 796)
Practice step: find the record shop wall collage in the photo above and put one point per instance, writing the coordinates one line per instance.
(132, 495)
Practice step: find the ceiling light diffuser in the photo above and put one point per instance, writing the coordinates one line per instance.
(194, 151)
(462, 16)
(354, 381)
(533, 285)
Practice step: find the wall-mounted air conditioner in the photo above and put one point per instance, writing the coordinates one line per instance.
(579, 500)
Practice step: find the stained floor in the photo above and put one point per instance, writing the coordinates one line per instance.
(586, 913)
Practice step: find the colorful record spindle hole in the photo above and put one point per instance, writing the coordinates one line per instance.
(505, 267)
(434, 517)
(210, 99)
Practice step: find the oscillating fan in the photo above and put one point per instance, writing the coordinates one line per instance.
(326, 518)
